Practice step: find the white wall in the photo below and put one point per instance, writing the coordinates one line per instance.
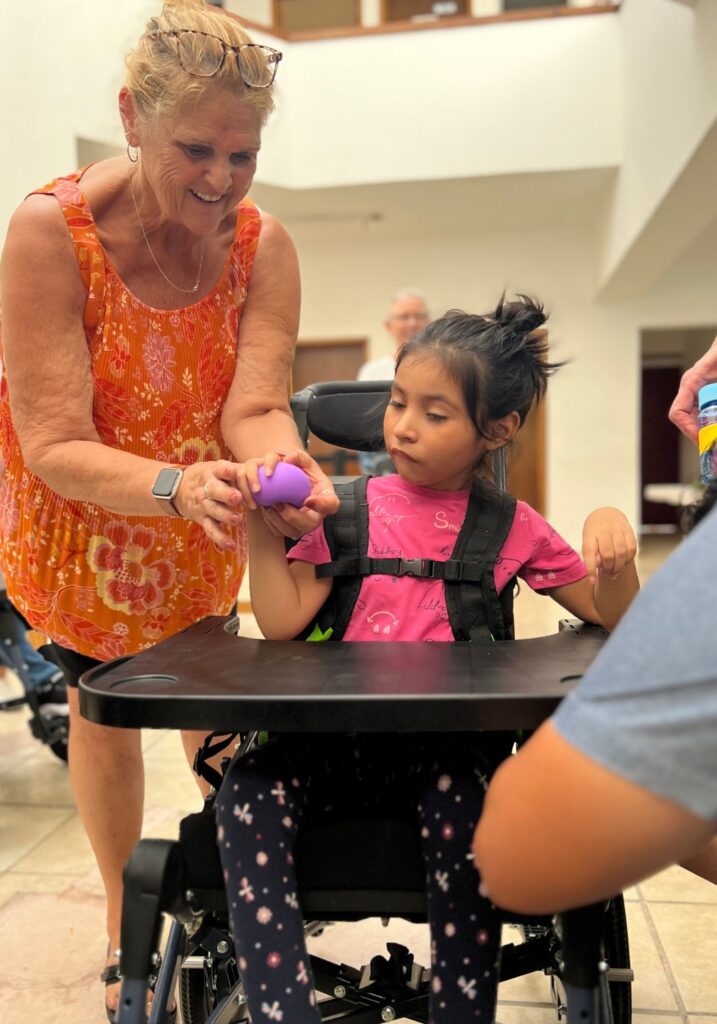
(256, 10)
(432, 104)
(61, 67)
(448, 103)
(670, 102)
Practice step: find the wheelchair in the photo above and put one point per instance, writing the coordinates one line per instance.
(369, 866)
(50, 727)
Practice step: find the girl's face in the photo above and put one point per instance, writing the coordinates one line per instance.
(199, 163)
(427, 430)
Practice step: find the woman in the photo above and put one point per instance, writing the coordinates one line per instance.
(155, 309)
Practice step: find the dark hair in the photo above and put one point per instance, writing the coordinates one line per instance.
(498, 360)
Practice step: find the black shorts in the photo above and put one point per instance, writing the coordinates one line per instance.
(71, 663)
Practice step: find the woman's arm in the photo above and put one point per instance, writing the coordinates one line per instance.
(609, 549)
(256, 416)
(284, 596)
(50, 381)
(558, 830)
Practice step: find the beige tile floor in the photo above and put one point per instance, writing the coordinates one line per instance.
(51, 915)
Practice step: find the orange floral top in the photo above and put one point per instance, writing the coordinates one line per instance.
(101, 583)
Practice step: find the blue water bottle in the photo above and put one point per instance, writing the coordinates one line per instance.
(707, 428)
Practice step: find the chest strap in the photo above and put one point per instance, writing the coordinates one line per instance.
(423, 568)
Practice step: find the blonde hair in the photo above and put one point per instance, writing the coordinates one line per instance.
(156, 80)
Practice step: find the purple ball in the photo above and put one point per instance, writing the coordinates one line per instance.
(287, 483)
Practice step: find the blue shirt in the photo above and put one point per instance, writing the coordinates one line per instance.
(647, 707)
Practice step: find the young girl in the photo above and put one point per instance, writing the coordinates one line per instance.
(463, 387)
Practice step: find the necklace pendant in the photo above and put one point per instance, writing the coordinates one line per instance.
(196, 287)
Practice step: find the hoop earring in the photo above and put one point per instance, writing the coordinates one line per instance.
(135, 158)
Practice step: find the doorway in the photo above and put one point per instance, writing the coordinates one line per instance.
(666, 457)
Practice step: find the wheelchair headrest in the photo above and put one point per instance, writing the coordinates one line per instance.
(346, 413)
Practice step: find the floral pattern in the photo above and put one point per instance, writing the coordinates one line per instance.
(102, 584)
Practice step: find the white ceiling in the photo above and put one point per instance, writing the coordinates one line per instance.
(406, 209)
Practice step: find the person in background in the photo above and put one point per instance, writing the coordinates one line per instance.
(407, 316)
(154, 308)
(631, 750)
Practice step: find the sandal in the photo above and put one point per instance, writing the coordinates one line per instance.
(111, 976)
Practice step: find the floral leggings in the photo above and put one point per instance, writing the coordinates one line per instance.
(302, 777)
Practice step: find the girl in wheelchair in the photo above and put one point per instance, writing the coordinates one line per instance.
(441, 551)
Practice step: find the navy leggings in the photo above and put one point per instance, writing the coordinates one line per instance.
(302, 777)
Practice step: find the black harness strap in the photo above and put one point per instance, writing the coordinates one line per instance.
(474, 609)
(347, 538)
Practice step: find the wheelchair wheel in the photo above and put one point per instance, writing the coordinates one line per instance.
(194, 998)
(617, 955)
(201, 989)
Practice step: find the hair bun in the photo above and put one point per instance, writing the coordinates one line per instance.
(523, 316)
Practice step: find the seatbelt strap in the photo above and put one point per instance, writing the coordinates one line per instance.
(208, 750)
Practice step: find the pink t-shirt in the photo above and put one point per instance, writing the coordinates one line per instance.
(407, 521)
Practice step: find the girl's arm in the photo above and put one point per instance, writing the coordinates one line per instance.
(609, 549)
(284, 597)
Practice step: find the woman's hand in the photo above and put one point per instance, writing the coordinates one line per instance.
(609, 543)
(286, 520)
(208, 495)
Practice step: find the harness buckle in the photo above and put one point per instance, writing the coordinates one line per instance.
(415, 567)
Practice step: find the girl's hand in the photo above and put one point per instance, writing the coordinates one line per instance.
(295, 522)
(207, 495)
(609, 544)
(286, 520)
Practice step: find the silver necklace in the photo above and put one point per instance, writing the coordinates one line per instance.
(187, 291)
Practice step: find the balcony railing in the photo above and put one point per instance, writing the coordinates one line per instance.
(299, 20)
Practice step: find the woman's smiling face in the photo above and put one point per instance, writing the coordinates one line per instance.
(200, 162)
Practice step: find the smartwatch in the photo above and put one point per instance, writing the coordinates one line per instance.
(165, 488)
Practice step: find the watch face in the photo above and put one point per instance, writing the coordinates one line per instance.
(166, 483)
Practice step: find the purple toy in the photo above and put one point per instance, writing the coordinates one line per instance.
(287, 483)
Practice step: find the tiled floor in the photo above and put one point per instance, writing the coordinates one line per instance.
(51, 905)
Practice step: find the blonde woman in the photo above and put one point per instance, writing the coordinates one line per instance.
(155, 309)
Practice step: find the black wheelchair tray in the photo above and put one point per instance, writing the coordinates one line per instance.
(206, 678)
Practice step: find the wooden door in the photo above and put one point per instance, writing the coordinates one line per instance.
(526, 460)
(660, 441)
(319, 361)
